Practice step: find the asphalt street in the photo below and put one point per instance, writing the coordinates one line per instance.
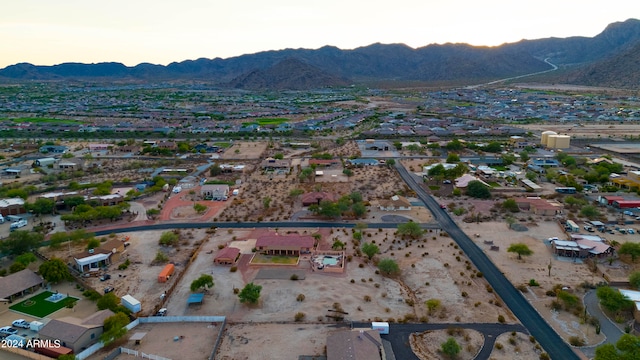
(513, 298)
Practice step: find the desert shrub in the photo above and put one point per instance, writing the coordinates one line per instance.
(233, 269)
(294, 277)
(498, 346)
(576, 341)
(533, 282)
(501, 319)
(522, 288)
(367, 298)
(300, 297)
(299, 316)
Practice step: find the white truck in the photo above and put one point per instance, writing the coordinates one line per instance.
(18, 224)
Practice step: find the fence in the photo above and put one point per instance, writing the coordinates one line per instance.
(135, 353)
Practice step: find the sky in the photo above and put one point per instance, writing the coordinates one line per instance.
(49, 32)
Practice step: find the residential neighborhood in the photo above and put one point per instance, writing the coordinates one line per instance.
(210, 223)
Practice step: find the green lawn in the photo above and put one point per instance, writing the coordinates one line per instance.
(39, 307)
(274, 259)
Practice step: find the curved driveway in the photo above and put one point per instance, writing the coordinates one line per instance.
(521, 308)
(608, 328)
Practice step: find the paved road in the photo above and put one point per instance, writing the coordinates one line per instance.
(608, 328)
(521, 308)
(248, 225)
(399, 335)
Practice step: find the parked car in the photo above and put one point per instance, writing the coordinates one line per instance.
(161, 312)
(627, 212)
(8, 330)
(631, 231)
(21, 323)
(108, 289)
(105, 277)
(443, 206)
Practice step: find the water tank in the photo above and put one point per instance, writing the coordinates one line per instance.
(545, 136)
(551, 141)
(562, 141)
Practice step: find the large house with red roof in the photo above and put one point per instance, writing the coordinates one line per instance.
(285, 244)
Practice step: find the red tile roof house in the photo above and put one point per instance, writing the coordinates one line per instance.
(227, 256)
(285, 245)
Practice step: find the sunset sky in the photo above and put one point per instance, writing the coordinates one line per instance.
(45, 32)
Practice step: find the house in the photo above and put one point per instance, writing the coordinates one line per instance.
(227, 256)
(465, 179)
(67, 165)
(214, 191)
(317, 196)
(271, 164)
(53, 149)
(285, 244)
(94, 259)
(169, 145)
(363, 162)
(12, 206)
(106, 200)
(538, 206)
(324, 162)
(74, 333)
(395, 203)
(580, 247)
(355, 344)
(18, 284)
(99, 147)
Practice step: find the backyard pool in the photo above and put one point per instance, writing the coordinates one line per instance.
(330, 260)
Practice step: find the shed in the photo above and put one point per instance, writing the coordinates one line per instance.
(166, 273)
(137, 337)
(227, 256)
(131, 303)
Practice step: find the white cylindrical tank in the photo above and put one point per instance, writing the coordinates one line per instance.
(551, 141)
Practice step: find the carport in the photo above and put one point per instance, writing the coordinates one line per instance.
(195, 299)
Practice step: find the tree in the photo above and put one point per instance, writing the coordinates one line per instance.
(93, 243)
(54, 270)
(108, 301)
(169, 238)
(478, 190)
(520, 249)
(453, 158)
(199, 208)
(250, 293)
(20, 242)
(510, 205)
(204, 281)
(215, 170)
(370, 249)
(337, 245)
(612, 299)
(410, 229)
(114, 327)
(26, 259)
(347, 172)
(625, 348)
(42, 206)
(391, 162)
(450, 347)
(590, 212)
(631, 249)
(634, 279)
(388, 266)
(16, 266)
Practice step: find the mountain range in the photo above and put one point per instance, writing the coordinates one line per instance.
(611, 58)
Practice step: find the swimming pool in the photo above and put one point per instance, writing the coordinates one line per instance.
(329, 260)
